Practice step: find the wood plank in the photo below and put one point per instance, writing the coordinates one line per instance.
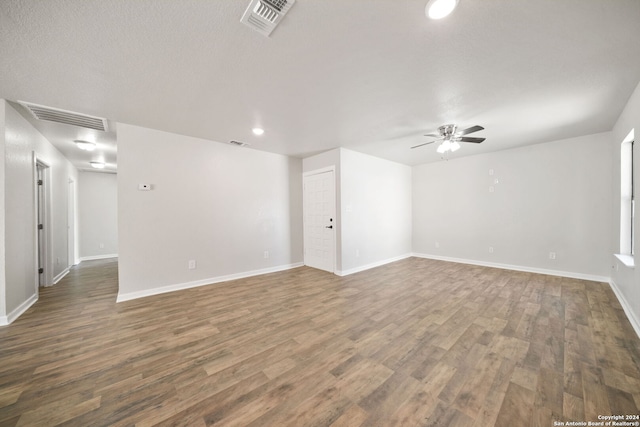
(516, 408)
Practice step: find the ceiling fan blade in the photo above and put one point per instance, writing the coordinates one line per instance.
(433, 135)
(426, 143)
(470, 139)
(469, 130)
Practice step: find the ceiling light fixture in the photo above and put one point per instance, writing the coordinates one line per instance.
(85, 145)
(438, 9)
(448, 145)
(97, 165)
(257, 131)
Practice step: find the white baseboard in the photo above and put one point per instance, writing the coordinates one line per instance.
(371, 265)
(626, 307)
(61, 275)
(95, 257)
(180, 286)
(8, 319)
(559, 273)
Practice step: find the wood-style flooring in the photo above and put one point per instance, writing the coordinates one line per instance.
(413, 343)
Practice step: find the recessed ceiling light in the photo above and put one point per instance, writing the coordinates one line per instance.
(438, 9)
(97, 165)
(257, 131)
(85, 145)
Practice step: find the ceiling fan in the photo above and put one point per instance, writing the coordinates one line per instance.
(451, 137)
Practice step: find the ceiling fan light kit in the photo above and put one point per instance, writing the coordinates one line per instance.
(451, 138)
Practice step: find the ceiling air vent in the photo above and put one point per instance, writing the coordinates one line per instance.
(264, 15)
(57, 115)
(238, 143)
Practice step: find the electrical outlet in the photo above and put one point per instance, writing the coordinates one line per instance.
(192, 264)
(357, 253)
(491, 189)
(266, 254)
(552, 255)
(490, 249)
(101, 245)
(437, 245)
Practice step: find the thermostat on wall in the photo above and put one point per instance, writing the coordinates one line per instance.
(144, 187)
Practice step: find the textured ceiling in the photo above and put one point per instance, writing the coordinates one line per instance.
(370, 75)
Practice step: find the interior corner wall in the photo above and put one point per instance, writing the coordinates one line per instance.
(3, 290)
(222, 206)
(553, 197)
(375, 207)
(21, 141)
(329, 159)
(97, 215)
(626, 280)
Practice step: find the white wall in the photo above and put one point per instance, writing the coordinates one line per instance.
(626, 280)
(3, 272)
(553, 197)
(97, 215)
(375, 208)
(21, 140)
(214, 203)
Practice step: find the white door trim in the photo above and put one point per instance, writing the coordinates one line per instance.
(71, 223)
(47, 238)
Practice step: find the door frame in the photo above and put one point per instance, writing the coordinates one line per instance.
(336, 233)
(71, 223)
(47, 255)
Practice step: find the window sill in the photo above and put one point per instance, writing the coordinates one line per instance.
(626, 260)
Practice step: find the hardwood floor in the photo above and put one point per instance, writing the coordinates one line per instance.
(417, 342)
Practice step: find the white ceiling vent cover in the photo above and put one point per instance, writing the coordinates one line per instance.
(264, 15)
(57, 115)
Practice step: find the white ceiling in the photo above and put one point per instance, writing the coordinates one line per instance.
(370, 75)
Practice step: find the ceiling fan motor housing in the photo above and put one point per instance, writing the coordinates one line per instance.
(447, 130)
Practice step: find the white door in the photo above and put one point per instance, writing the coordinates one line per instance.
(71, 224)
(319, 198)
(41, 216)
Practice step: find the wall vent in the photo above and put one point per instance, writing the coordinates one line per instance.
(57, 115)
(238, 143)
(264, 15)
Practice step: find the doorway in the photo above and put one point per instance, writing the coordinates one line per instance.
(319, 212)
(71, 224)
(43, 253)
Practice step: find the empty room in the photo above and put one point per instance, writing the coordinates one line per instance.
(319, 213)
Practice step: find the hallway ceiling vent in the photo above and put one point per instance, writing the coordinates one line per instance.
(264, 15)
(57, 115)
